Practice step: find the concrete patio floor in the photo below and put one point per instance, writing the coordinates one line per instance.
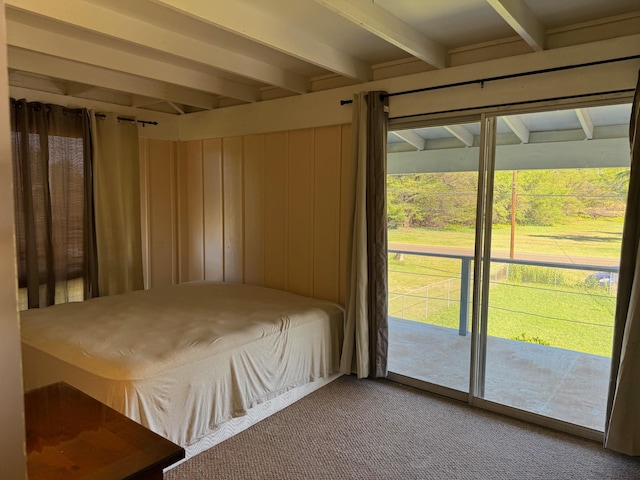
(562, 384)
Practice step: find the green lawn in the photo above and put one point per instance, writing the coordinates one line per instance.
(570, 319)
(595, 238)
(561, 309)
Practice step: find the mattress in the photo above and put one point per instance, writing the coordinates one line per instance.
(183, 360)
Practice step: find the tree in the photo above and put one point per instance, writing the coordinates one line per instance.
(544, 197)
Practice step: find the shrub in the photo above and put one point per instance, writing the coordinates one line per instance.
(531, 274)
(523, 338)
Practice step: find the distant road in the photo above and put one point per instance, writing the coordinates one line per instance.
(504, 255)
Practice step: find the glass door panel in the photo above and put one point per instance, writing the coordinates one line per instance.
(558, 208)
(431, 204)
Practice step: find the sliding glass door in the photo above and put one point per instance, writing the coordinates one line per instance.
(504, 259)
(557, 209)
(432, 216)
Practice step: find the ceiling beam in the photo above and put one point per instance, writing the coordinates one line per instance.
(77, 89)
(412, 138)
(382, 23)
(602, 153)
(518, 127)
(68, 70)
(585, 121)
(259, 26)
(123, 27)
(138, 101)
(461, 133)
(518, 15)
(21, 79)
(58, 45)
(176, 108)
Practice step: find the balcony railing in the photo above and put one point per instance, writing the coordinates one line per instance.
(607, 275)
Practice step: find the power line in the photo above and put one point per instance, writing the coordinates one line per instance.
(551, 318)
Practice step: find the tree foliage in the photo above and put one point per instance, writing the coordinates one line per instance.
(544, 197)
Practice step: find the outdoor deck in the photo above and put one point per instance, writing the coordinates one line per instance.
(561, 384)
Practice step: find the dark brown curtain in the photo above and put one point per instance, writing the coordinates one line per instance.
(622, 431)
(377, 126)
(365, 343)
(55, 236)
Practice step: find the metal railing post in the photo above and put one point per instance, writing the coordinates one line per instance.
(465, 288)
(426, 303)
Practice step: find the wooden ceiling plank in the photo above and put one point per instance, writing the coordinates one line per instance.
(23, 80)
(176, 108)
(68, 70)
(76, 89)
(382, 23)
(138, 101)
(116, 25)
(58, 45)
(518, 15)
(256, 25)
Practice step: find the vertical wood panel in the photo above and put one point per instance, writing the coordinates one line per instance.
(253, 151)
(143, 155)
(233, 209)
(300, 212)
(161, 213)
(326, 213)
(272, 209)
(183, 217)
(195, 236)
(174, 211)
(213, 210)
(275, 210)
(347, 198)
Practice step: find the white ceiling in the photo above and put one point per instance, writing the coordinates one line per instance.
(182, 56)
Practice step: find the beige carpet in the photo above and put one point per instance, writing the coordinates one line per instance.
(363, 429)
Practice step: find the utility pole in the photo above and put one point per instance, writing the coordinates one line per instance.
(512, 249)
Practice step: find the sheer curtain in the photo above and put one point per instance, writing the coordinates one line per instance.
(622, 432)
(366, 329)
(53, 204)
(117, 203)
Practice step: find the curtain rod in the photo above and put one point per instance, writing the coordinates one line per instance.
(143, 122)
(79, 111)
(482, 81)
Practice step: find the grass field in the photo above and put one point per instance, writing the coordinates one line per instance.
(589, 238)
(561, 308)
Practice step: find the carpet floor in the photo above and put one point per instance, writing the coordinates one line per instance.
(365, 429)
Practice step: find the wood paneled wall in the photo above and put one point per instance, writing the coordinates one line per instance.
(158, 178)
(268, 209)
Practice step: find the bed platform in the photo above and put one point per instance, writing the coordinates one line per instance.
(195, 363)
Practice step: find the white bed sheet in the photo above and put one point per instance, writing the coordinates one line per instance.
(183, 360)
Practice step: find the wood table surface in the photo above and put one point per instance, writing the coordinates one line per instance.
(73, 436)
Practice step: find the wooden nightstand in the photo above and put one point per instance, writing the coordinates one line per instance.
(73, 436)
